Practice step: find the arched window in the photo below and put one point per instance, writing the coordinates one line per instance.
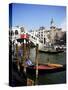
(11, 33)
(16, 32)
(22, 29)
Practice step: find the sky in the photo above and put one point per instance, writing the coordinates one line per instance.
(34, 16)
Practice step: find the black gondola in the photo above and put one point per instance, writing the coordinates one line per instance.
(45, 68)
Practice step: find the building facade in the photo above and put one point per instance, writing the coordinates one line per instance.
(48, 37)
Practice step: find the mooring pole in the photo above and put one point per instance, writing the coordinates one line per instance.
(24, 55)
(17, 57)
(22, 52)
(28, 49)
(36, 61)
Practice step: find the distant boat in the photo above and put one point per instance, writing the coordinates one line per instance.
(51, 51)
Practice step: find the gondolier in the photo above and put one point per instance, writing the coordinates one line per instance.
(28, 62)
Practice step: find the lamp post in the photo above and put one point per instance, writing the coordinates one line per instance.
(24, 38)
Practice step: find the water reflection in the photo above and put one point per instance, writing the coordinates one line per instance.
(53, 78)
(52, 58)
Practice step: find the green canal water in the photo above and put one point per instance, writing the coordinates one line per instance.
(51, 78)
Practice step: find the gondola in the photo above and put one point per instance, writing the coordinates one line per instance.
(46, 68)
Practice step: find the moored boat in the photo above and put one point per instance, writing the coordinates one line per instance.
(46, 68)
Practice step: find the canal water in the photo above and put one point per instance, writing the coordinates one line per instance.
(51, 78)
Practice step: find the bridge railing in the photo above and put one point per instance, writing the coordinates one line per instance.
(35, 40)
